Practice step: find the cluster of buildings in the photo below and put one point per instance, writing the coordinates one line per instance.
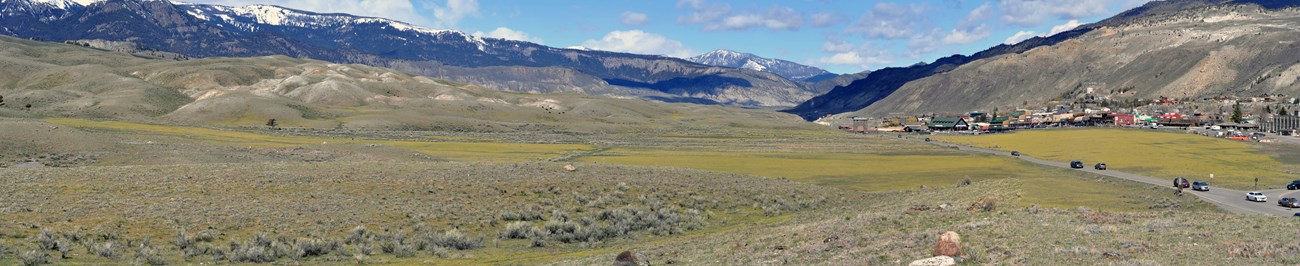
(1255, 115)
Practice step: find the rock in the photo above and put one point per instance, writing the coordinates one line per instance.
(984, 204)
(627, 259)
(949, 245)
(934, 261)
(570, 168)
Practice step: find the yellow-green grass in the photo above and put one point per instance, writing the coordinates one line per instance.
(1234, 164)
(865, 172)
(1044, 186)
(448, 150)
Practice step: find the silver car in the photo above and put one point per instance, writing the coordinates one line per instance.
(1256, 196)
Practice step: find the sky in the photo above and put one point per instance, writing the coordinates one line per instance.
(841, 36)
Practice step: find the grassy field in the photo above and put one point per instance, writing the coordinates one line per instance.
(1234, 164)
(443, 148)
(241, 195)
(901, 227)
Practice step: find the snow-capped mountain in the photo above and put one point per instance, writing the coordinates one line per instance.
(200, 30)
(790, 70)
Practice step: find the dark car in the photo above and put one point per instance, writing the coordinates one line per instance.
(1099, 166)
(1288, 202)
(1295, 184)
(1076, 165)
(1181, 182)
(1201, 185)
(1015, 153)
(927, 139)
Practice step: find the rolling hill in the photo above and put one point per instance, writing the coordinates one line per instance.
(198, 30)
(1178, 48)
(66, 80)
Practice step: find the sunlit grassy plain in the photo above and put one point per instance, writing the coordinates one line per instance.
(1234, 164)
(872, 173)
(883, 165)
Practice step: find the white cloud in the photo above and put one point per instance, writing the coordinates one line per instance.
(400, 10)
(508, 34)
(825, 19)
(639, 42)
(889, 21)
(1035, 12)
(842, 52)
(633, 18)
(966, 36)
(1025, 35)
(719, 16)
(702, 12)
(1020, 37)
(1070, 25)
(980, 13)
(454, 11)
(776, 18)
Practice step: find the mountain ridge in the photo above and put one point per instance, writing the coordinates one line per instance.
(931, 87)
(788, 69)
(198, 30)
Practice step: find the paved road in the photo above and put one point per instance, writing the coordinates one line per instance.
(1227, 199)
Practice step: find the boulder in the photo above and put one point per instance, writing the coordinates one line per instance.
(949, 245)
(935, 261)
(627, 258)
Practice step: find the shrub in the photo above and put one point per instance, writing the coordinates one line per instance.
(454, 239)
(204, 249)
(521, 216)
(146, 255)
(259, 249)
(106, 249)
(34, 257)
(439, 252)
(359, 235)
(183, 241)
(518, 230)
(64, 248)
(313, 247)
(47, 240)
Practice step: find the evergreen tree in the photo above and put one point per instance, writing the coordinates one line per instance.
(1281, 111)
(1236, 112)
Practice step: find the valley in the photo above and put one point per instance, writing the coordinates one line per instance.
(138, 132)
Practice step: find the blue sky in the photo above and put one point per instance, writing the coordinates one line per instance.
(840, 36)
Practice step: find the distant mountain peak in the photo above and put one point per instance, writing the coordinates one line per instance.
(734, 59)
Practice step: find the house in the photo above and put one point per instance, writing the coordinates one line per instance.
(948, 123)
(1280, 124)
(1124, 119)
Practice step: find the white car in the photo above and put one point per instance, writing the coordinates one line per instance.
(1256, 196)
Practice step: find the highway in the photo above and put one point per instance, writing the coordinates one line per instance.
(1227, 199)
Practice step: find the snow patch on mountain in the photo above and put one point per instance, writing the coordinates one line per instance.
(733, 59)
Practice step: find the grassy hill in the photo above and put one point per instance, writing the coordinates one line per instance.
(72, 81)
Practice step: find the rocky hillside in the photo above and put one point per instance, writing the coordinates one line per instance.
(790, 70)
(197, 30)
(1174, 48)
(70, 80)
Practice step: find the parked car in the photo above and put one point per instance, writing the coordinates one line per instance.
(1076, 165)
(1181, 182)
(1256, 196)
(927, 139)
(1099, 166)
(1015, 153)
(1288, 202)
(1201, 185)
(1295, 184)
